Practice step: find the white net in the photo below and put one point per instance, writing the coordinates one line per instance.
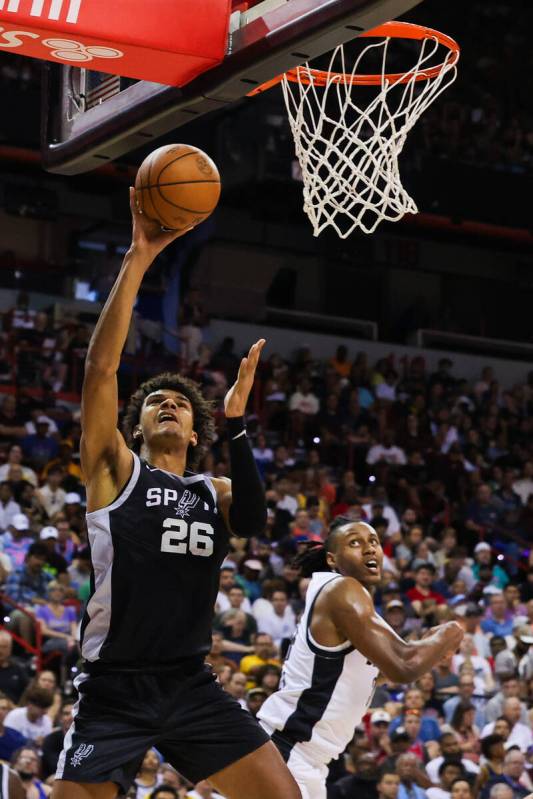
(348, 153)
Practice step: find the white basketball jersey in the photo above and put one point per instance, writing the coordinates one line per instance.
(324, 691)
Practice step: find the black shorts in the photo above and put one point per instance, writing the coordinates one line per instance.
(196, 726)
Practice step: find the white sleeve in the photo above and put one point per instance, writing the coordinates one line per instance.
(373, 454)
(14, 720)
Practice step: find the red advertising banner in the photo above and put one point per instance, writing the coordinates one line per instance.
(165, 41)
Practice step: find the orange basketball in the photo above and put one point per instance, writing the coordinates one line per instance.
(177, 185)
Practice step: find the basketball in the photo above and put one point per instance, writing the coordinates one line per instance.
(177, 185)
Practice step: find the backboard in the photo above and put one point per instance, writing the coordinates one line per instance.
(91, 118)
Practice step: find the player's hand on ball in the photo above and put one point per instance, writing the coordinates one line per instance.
(237, 397)
(148, 237)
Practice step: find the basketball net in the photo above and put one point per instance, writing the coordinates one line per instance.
(348, 153)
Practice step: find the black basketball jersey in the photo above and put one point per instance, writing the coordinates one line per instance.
(156, 553)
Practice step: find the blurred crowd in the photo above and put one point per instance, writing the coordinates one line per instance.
(440, 466)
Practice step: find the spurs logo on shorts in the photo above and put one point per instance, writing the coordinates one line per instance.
(83, 751)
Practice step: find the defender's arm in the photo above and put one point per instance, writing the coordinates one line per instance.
(355, 617)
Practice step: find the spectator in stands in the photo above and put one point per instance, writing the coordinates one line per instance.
(363, 783)
(79, 573)
(388, 785)
(13, 677)
(8, 507)
(280, 622)
(304, 406)
(165, 792)
(249, 579)
(148, 776)
(520, 734)
(524, 485)
(395, 615)
(465, 696)
(32, 721)
(11, 420)
(268, 677)
(39, 447)
(386, 452)
(27, 763)
(449, 772)
(512, 775)
(422, 597)
(226, 583)
(483, 557)
(451, 752)
(27, 586)
(17, 539)
(53, 742)
(412, 722)
(58, 621)
(255, 698)
(511, 593)
(236, 687)
(237, 600)
(14, 458)
(483, 513)
(55, 564)
(237, 628)
(463, 724)
(498, 620)
(264, 654)
(51, 496)
(429, 728)
(262, 452)
(446, 682)
(509, 688)
(216, 656)
(407, 769)
(493, 752)
(470, 617)
(461, 789)
(10, 739)
(340, 361)
(71, 469)
(68, 541)
(480, 665)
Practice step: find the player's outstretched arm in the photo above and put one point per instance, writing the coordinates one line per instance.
(355, 617)
(242, 501)
(101, 442)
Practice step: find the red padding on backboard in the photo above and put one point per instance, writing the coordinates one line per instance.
(165, 41)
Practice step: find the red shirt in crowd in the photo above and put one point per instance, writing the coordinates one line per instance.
(414, 594)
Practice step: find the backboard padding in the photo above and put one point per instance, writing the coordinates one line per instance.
(283, 37)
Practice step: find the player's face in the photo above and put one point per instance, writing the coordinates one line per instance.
(167, 419)
(358, 554)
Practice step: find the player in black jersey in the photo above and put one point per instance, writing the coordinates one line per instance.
(158, 535)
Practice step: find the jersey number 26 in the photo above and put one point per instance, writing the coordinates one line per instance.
(180, 538)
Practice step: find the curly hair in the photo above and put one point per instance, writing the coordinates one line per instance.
(202, 410)
(314, 559)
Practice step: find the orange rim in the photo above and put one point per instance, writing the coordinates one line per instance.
(389, 30)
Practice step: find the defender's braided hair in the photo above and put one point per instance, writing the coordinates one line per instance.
(314, 558)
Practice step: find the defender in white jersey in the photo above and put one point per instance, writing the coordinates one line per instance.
(339, 649)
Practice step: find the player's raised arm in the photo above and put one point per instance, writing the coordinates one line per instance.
(101, 442)
(242, 502)
(355, 617)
